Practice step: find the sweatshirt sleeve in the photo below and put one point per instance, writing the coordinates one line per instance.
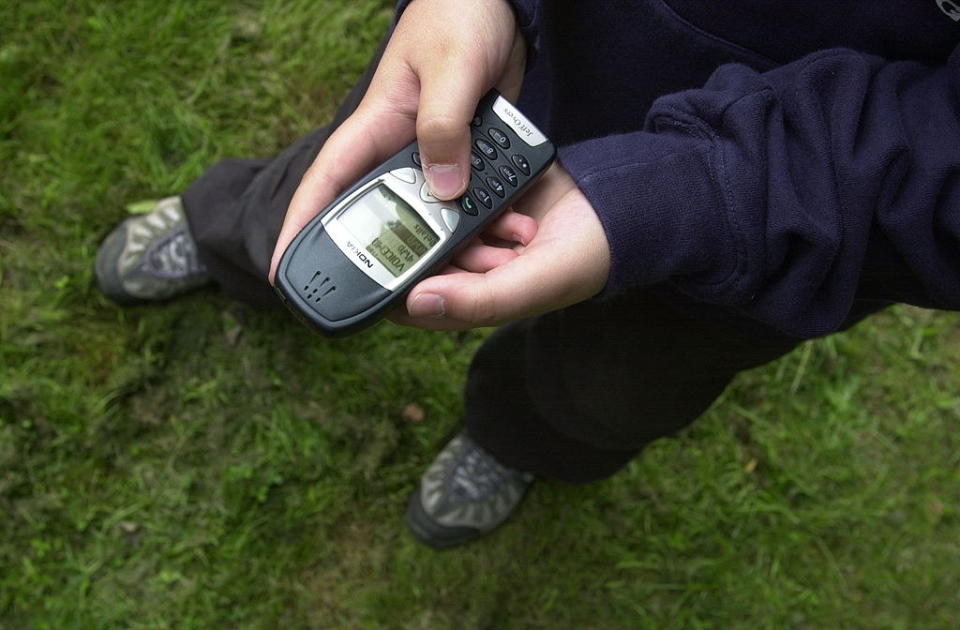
(790, 193)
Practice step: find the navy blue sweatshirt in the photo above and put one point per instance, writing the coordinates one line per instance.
(789, 161)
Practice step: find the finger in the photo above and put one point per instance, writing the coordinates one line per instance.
(348, 153)
(429, 315)
(510, 291)
(399, 314)
(511, 80)
(551, 273)
(513, 227)
(480, 258)
(448, 100)
(453, 302)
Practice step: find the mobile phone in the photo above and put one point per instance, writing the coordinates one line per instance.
(366, 250)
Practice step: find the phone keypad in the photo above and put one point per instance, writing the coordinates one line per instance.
(483, 188)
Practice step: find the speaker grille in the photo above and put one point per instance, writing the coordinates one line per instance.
(318, 287)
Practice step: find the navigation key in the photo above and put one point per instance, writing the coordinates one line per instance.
(405, 175)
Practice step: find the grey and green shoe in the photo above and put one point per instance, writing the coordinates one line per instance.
(464, 494)
(150, 257)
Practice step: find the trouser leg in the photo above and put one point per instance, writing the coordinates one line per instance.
(575, 394)
(572, 395)
(236, 208)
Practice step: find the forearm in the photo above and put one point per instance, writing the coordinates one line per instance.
(789, 194)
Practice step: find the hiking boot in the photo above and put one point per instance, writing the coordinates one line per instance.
(150, 257)
(464, 494)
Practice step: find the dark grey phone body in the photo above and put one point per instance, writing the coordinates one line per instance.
(368, 248)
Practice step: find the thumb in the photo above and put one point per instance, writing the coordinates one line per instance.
(448, 101)
(517, 289)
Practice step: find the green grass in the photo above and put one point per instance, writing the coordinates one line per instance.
(203, 465)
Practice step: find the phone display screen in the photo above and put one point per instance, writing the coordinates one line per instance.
(389, 229)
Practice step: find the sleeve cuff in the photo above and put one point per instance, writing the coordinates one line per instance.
(661, 208)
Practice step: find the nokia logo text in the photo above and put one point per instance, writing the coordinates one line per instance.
(363, 257)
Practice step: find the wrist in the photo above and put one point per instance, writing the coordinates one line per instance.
(661, 210)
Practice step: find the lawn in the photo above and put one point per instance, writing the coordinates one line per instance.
(199, 464)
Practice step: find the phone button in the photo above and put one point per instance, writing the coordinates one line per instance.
(486, 148)
(426, 195)
(483, 196)
(405, 175)
(476, 162)
(508, 174)
(499, 137)
(521, 162)
(496, 186)
(469, 205)
(416, 158)
(450, 217)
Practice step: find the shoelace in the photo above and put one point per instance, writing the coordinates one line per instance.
(477, 475)
(174, 257)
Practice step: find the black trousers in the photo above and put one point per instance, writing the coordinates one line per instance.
(572, 395)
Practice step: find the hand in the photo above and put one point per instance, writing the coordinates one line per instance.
(559, 256)
(443, 56)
